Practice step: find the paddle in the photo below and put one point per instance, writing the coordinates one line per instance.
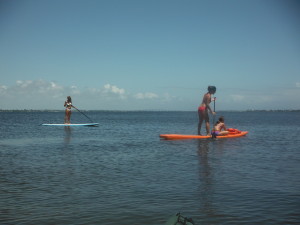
(83, 114)
(214, 108)
(214, 116)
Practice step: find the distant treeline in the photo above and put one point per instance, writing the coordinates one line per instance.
(29, 110)
(53, 110)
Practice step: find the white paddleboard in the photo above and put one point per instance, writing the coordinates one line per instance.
(72, 124)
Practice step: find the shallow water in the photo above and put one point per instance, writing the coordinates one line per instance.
(122, 173)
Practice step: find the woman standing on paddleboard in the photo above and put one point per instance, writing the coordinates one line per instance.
(204, 108)
(68, 112)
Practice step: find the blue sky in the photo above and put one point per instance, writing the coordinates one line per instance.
(149, 54)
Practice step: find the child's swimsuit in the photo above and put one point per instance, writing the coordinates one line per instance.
(216, 133)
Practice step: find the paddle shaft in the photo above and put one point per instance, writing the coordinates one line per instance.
(214, 104)
(214, 110)
(83, 113)
(214, 116)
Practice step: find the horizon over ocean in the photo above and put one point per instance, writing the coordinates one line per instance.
(121, 172)
(146, 110)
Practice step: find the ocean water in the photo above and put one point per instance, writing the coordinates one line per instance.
(122, 172)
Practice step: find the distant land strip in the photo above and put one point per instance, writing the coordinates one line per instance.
(54, 110)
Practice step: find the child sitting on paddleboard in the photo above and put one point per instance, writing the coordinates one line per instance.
(219, 128)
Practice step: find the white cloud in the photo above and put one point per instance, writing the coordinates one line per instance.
(31, 88)
(113, 90)
(298, 84)
(41, 94)
(3, 88)
(52, 86)
(75, 90)
(147, 95)
(31, 94)
(36, 87)
(24, 84)
(237, 98)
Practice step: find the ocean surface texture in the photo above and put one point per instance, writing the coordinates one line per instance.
(122, 173)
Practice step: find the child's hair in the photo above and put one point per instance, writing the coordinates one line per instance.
(221, 120)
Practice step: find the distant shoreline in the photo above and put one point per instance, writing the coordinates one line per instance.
(53, 110)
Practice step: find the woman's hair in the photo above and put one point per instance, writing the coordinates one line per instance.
(69, 99)
(212, 89)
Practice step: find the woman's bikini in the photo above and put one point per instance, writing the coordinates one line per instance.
(69, 106)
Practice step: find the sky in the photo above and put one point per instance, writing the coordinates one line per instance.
(149, 54)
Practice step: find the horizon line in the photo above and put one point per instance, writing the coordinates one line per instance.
(145, 110)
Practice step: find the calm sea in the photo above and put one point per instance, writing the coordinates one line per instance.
(122, 173)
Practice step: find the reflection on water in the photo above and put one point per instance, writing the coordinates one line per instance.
(68, 134)
(207, 149)
(206, 188)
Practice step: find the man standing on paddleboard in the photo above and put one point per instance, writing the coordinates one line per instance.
(204, 108)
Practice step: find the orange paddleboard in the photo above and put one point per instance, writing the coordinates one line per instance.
(186, 136)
